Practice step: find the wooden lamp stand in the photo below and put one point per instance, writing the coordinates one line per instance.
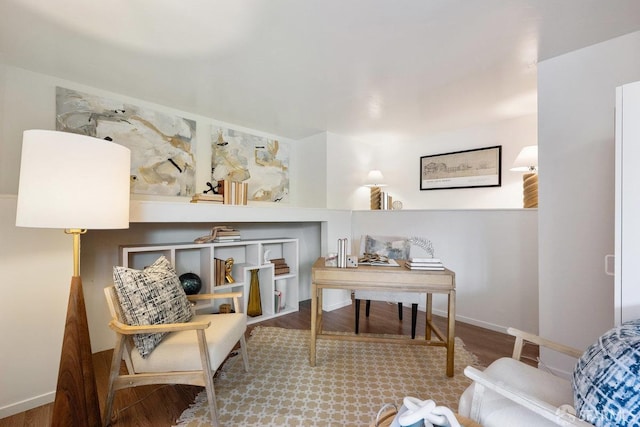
(76, 402)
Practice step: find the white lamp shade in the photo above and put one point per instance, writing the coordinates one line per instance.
(72, 181)
(375, 178)
(527, 160)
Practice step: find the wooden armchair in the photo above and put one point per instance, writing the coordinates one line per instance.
(510, 392)
(190, 354)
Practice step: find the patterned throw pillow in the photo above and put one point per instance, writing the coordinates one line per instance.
(392, 247)
(606, 379)
(150, 297)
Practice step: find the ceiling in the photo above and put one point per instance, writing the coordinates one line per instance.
(369, 69)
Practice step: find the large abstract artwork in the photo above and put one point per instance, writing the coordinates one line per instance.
(261, 162)
(162, 146)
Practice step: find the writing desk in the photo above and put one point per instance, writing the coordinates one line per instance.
(383, 278)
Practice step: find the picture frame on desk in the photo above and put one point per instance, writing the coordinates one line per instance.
(481, 167)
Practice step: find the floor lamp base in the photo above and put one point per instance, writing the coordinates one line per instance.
(76, 402)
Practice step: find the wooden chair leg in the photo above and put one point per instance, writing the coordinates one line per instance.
(116, 360)
(400, 310)
(357, 302)
(414, 318)
(208, 377)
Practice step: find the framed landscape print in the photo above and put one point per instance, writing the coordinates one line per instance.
(480, 167)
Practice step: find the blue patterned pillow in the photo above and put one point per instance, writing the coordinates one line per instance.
(150, 297)
(606, 379)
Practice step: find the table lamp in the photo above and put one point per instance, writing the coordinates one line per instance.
(375, 181)
(73, 182)
(527, 162)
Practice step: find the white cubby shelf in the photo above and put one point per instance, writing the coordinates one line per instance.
(247, 255)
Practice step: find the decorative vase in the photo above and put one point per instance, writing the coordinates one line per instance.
(254, 306)
(191, 283)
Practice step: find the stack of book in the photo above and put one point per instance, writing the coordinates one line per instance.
(226, 235)
(424, 264)
(207, 198)
(232, 192)
(219, 272)
(279, 266)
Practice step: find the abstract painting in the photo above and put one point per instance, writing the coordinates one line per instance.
(162, 145)
(261, 162)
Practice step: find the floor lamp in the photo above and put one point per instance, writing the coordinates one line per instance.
(527, 162)
(73, 182)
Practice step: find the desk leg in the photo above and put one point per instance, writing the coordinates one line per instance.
(314, 317)
(451, 333)
(427, 329)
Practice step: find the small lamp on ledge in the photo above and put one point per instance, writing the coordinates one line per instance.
(375, 180)
(527, 162)
(73, 182)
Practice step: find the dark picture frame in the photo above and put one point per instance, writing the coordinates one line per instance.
(480, 167)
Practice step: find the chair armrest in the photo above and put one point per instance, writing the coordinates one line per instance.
(125, 329)
(544, 409)
(200, 297)
(522, 336)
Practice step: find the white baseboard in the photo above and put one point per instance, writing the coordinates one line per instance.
(27, 404)
(442, 313)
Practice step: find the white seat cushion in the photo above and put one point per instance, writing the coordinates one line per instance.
(223, 334)
(499, 411)
(403, 297)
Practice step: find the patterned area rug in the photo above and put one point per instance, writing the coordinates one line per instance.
(350, 383)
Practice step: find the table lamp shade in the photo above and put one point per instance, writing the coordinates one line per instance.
(72, 181)
(527, 159)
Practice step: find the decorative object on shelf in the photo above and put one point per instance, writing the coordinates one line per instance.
(397, 205)
(527, 162)
(228, 264)
(280, 303)
(424, 244)
(220, 233)
(375, 180)
(225, 308)
(73, 182)
(191, 283)
(331, 260)
(481, 167)
(342, 252)
(254, 305)
(352, 261)
(280, 266)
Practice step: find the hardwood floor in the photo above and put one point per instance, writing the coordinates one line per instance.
(161, 405)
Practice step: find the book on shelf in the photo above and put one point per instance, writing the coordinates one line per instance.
(219, 272)
(233, 192)
(428, 260)
(277, 301)
(279, 266)
(426, 268)
(208, 198)
(281, 270)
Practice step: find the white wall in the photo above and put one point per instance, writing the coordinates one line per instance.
(492, 251)
(576, 100)
(349, 162)
(33, 261)
(36, 268)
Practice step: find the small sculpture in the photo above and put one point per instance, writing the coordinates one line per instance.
(227, 267)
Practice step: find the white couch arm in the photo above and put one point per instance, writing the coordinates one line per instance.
(558, 416)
